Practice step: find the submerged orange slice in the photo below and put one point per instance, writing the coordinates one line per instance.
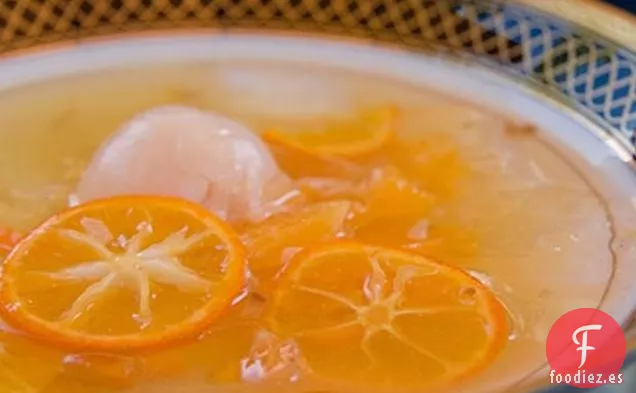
(344, 138)
(123, 273)
(271, 242)
(380, 316)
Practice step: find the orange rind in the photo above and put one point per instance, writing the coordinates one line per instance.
(122, 274)
(386, 317)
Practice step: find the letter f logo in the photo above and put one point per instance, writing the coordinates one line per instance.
(583, 343)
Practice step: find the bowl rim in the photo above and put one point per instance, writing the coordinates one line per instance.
(534, 381)
(609, 21)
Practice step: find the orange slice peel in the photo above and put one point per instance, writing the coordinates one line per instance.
(342, 138)
(122, 274)
(297, 161)
(384, 316)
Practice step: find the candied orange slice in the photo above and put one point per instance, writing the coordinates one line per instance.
(345, 138)
(298, 162)
(123, 273)
(8, 239)
(368, 315)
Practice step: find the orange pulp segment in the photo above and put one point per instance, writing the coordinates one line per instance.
(343, 138)
(123, 273)
(386, 317)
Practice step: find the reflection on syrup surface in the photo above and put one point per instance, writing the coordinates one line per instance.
(451, 183)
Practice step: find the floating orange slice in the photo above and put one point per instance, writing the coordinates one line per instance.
(122, 273)
(343, 138)
(386, 317)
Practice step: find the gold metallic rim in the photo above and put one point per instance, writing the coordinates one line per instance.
(604, 19)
